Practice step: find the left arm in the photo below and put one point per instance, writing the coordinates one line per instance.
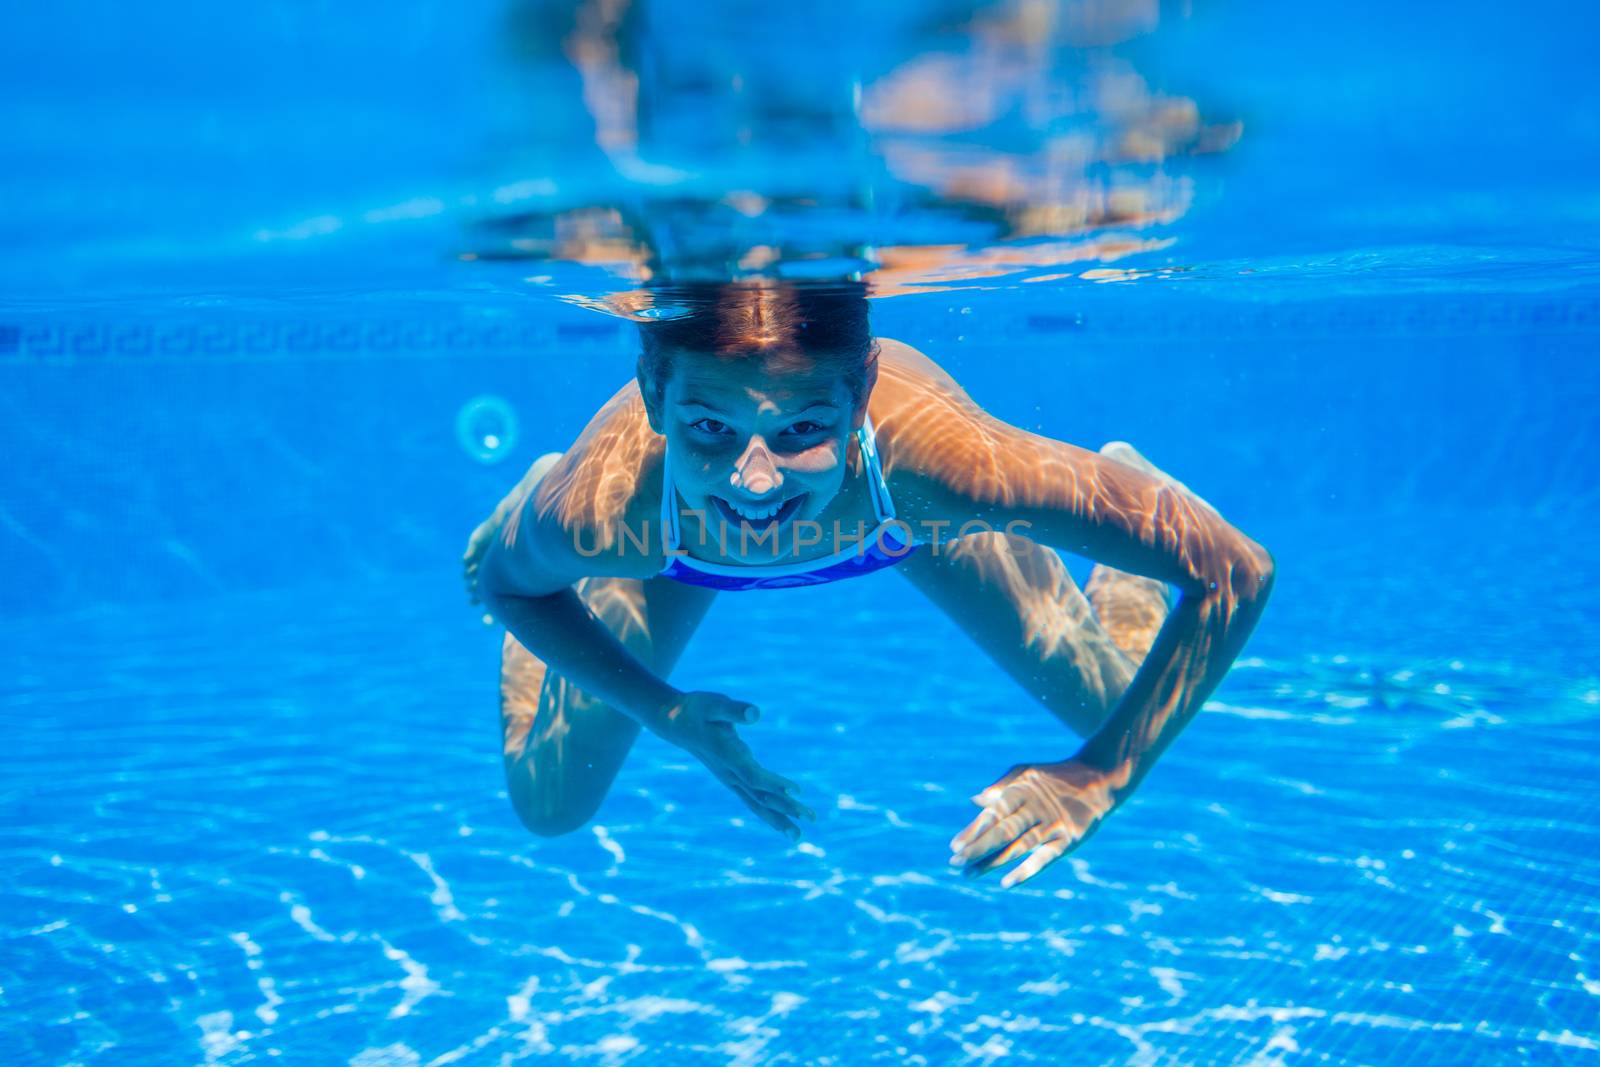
(1093, 506)
(1081, 502)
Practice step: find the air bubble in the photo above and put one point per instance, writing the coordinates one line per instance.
(486, 426)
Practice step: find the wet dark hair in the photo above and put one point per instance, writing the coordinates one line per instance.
(822, 322)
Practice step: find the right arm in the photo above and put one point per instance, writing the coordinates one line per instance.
(559, 628)
(526, 581)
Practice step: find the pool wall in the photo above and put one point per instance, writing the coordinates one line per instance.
(178, 458)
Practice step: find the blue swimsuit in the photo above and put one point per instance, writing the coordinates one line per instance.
(888, 543)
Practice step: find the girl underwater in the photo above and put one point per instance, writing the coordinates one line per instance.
(768, 440)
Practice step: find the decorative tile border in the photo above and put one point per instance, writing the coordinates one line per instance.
(1455, 316)
(183, 341)
(59, 342)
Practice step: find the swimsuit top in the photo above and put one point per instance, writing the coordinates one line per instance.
(888, 543)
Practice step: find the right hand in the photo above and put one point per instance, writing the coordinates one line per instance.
(702, 724)
(472, 559)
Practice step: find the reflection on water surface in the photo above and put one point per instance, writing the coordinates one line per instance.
(975, 143)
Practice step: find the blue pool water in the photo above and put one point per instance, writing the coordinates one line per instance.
(254, 398)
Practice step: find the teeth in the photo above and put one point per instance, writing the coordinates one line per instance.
(754, 513)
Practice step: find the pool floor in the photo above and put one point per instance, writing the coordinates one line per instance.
(274, 825)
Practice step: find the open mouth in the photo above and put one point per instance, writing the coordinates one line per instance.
(771, 515)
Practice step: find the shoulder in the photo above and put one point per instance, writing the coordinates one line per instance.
(916, 404)
(938, 446)
(907, 375)
(596, 511)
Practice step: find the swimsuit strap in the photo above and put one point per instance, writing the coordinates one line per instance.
(882, 503)
(669, 509)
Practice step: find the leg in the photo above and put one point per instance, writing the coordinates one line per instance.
(1129, 606)
(1017, 601)
(562, 748)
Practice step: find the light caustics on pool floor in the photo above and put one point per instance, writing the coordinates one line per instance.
(300, 846)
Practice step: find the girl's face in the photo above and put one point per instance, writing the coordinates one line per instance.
(758, 442)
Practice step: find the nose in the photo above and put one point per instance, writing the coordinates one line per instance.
(755, 471)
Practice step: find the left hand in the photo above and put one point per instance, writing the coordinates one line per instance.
(1042, 809)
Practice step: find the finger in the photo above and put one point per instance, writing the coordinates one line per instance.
(1004, 805)
(729, 777)
(734, 712)
(1029, 839)
(974, 829)
(993, 838)
(741, 763)
(769, 782)
(990, 795)
(776, 791)
(784, 803)
(1037, 861)
(738, 758)
(775, 819)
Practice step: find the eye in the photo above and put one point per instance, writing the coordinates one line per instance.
(806, 427)
(714, 427)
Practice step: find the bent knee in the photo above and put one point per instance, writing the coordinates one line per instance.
(551, 820)
(536, 473)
